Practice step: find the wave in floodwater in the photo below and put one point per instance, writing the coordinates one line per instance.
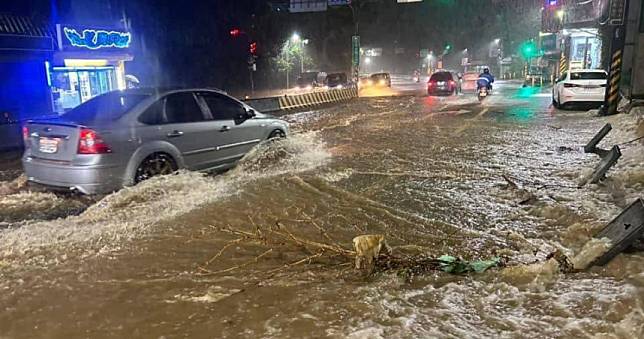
(534, 300)
(37, 206)
(132, 211)
(14, 186)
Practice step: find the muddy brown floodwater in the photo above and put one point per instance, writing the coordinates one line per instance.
(423, 171)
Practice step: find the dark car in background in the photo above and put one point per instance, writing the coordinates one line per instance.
(377, 79)
(123, 137)
(308, 80)
(336, 80)
(443, 83)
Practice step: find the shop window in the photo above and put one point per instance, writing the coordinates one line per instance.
(585, 52)
(182, 108)
(74, 86)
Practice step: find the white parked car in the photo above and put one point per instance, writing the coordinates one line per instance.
(580, 86)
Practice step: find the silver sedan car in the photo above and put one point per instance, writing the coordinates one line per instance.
(121, 138)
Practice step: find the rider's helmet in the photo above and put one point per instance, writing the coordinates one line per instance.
(486, 70)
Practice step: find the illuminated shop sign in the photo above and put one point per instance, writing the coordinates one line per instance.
(96, 39)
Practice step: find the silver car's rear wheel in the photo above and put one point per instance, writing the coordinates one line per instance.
(153, 165)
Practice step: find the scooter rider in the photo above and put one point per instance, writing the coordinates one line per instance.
(485, 79)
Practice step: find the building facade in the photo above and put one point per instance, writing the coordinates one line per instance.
(53, 61)
(89, 61)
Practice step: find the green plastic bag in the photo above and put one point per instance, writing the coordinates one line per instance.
(454, 265)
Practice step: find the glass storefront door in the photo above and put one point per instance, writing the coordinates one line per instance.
(585, 50)
(73, 86)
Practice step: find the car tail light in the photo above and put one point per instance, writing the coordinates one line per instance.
(452, 82)
(25, 136)
(432, 83)
(91, 143)
(568, 85)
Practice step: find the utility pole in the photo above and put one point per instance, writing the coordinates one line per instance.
(288, 63)
(617, 15)
(355, 40)
(252, 67)
(252, 56)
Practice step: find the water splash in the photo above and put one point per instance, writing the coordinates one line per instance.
(593, 249)
(36, 206)
(134, 211)
(13, 186)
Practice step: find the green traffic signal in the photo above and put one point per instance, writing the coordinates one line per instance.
(528, 49)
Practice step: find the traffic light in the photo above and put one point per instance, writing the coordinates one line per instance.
(528, 49)
(235, 32)
(448, 47)
(253, 48)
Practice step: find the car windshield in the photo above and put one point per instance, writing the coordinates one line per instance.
(107, 107)
(442, 76)
(588, 76)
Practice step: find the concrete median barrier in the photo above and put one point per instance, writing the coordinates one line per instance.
(288, 102)
(265, 105)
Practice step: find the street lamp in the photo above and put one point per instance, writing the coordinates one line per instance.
(367, 60)
(497, 41)
(560, 14)
(297, 39)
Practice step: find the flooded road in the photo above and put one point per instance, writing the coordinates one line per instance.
(426, 172)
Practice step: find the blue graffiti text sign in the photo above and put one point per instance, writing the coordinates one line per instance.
(95, 39)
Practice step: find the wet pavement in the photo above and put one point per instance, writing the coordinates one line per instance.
(426, 172)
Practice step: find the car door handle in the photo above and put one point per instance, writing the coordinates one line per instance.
(175, 134)
(224, 129)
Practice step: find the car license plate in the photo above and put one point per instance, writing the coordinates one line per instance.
(48, 145)
(441, 83)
